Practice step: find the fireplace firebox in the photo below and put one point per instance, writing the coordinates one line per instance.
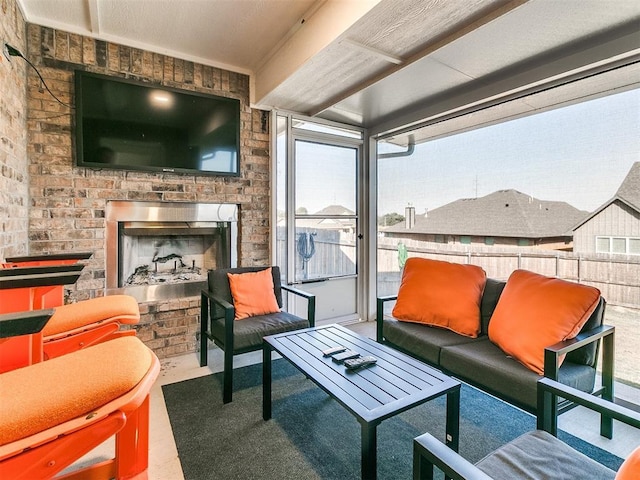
(163, 250)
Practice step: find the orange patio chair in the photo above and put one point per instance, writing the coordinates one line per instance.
(52, 296)
(72, 327)
(21, 289)
(79, 325)
(55, 412)
(33, 288)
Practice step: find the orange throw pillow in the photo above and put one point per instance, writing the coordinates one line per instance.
(441, 294)
(253, 293)
(630, 469)
(535, 312)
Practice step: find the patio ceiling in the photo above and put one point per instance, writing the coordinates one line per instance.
(380, 64)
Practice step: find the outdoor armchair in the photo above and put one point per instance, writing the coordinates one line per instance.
(538, 453)
(71, 327)
(51, 296)
(55, 412)
(235, 336)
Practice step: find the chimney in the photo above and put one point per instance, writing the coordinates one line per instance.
(409, 217)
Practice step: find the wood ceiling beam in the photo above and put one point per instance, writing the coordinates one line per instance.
(428, 49)
(324, 25)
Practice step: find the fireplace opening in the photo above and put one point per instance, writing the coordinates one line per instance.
(166, 253)
(159, 250)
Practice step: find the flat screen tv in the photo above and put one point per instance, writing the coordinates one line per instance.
(124, 124)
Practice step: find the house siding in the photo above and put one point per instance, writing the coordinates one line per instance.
(615, 220)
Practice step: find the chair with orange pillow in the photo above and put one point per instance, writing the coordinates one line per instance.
(536, 455)
(55, 412)
(240, 307)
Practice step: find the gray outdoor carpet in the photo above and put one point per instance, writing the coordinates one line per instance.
(311, 436)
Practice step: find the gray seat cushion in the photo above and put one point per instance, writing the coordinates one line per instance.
(483, 363)
(420, 340)
(538, 455)
(248, 332)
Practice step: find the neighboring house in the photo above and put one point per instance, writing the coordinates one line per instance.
(614, 228)
(333, 217)
(502, 218)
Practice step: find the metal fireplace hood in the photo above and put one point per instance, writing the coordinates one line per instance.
(169, 228)
(173, 218)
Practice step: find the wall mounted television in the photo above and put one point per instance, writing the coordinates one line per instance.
(130, 125)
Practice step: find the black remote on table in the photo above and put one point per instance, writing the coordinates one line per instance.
(355, 363)
(329, 352)
(341, 357)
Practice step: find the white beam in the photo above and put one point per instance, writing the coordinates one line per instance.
(373, 51)
(324, 25)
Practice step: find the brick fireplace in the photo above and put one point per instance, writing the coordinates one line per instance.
(68, 206)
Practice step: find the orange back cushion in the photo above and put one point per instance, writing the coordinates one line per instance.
(535, 312)
(253, 293)
(630, 469)
(441, 294)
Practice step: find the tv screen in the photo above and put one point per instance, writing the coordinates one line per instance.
(123, 124)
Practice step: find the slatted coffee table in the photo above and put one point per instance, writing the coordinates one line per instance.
(394, 384)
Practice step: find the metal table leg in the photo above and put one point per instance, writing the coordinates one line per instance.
(266, 381)
(369, 451)
(453, 419)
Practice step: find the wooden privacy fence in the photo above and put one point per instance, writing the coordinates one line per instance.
(618, 278)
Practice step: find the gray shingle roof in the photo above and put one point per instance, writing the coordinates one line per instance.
(629, 190)
(505, 213)
(334, 222)
(335, 210)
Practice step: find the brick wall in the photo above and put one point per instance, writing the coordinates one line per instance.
(68, 203)
(14, 188)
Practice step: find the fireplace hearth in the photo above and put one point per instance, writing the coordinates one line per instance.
(162, 250)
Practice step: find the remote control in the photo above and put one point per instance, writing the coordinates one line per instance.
(355, 363)
(330, 352)
(341, 357)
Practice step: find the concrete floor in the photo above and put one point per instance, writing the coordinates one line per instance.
(163, 455)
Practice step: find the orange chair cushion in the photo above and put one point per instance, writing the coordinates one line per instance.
(253, 293)
(46, 394)
(630, 468)
(535, 312)
(441, 294)
(112, 308)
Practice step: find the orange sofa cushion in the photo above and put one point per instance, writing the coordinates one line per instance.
(535, 312)
(46, 394)
(630, 469)
(120, 308)
(441, 294)
(253, 293)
